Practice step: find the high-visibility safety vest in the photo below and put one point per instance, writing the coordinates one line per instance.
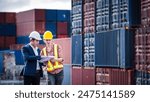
(57, 65)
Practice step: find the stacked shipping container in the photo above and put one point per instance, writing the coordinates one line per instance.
(107, 40)
(56, 21)
(83, 29)
(142, 44)
(7, 30)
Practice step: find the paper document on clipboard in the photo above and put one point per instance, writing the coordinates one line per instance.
(46, 58)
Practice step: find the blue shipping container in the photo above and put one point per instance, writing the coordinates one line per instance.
(106, 49)
(126, 48)
(67, 75)
(18, 57)
(63, 15)
(77, 50)
(7, 29)
(1, 63)
(51, 26)
(51, 15)
(23, 39)
(26, 40)
(114, 49)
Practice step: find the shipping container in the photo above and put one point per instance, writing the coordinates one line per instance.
(114, 14)
(142, 77)
(2, 42)
(67, 75)
(103, 15)
(62, 28)
(76, 75)
(77, 50)
(114, 76)
(65, 44)
(9, 40)
(7, 65)
(10, 18)
(114, 48)
(126, 13)
(77, 13)
(24, 29)
(30, 16)
(23, 40)
(63, 15)
(51, 15)
(7, 29)
(62, 36)
(145, 12)
(88, 76)
(51, 26)
(89, 49)
(2, 17)
(19, 57)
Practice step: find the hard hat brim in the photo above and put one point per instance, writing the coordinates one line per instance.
(36, 38)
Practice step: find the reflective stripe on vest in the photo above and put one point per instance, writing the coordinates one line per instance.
(51, 67)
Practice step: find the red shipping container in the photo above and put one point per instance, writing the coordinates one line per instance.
(65, 44)
(40, 27)
(9, 41)
(62, 28)
(76, 75)
(62, 36)
(102, 75)
(2, 17)
(88, 76)
(39, 14)
(90, 29)
(30, 16)
(2, 42)
(10, 17)
(117, 76)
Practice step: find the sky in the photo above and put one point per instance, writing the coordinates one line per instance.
(23, 5)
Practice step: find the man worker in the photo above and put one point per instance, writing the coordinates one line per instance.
(54, 66)
(31, 54)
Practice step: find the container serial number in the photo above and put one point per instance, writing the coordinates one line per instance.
(106, 94)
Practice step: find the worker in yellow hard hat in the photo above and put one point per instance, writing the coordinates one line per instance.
(54, 66)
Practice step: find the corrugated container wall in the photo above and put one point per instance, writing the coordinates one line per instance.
(114, 49)
(76, 75)
(114, 76)
(77, 19)
(51, 15)
(77, 49)
(145, 12)
(63, 15)
(88, 76)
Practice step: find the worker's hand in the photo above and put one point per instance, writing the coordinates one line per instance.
(44, 68)
(53, 60)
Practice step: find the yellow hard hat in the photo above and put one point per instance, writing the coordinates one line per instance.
(48, 35)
